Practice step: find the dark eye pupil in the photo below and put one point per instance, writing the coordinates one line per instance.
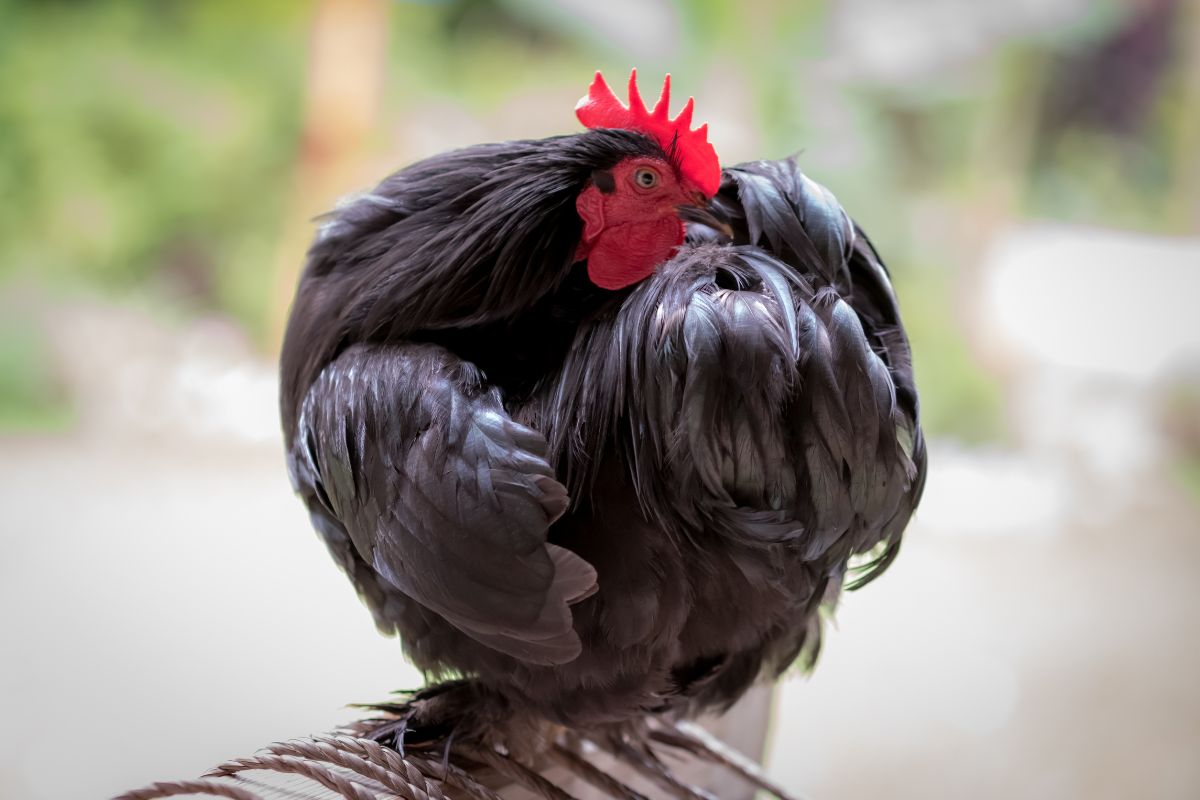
(645, 177)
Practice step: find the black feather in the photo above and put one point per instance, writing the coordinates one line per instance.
(597, 504)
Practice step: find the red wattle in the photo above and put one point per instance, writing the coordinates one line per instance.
(625, 254)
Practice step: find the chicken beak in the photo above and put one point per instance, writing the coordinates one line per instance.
(703, 216)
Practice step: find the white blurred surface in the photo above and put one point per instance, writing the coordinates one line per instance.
(165, 608)
(1089, 300)
(1012, 667)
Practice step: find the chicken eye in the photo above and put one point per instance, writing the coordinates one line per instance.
(645, 178)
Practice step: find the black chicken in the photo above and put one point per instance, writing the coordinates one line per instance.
(593, 469)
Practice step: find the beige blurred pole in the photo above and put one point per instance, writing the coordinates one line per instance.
(343, 91)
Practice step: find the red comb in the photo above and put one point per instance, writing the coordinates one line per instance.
(690, 149)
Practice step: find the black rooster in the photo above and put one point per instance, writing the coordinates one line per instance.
(595, 469)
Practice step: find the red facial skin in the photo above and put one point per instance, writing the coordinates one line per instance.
(631, 230)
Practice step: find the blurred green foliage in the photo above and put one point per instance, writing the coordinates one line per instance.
(149, 140)
(29, 396)
(1187, 472)
(153, 144)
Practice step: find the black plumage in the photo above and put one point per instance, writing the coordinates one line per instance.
(596, 504)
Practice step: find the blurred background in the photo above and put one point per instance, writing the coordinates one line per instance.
(1030, 170)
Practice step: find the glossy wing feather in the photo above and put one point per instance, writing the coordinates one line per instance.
(444, 497)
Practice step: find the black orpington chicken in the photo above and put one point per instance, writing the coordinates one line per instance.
(594, 426)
